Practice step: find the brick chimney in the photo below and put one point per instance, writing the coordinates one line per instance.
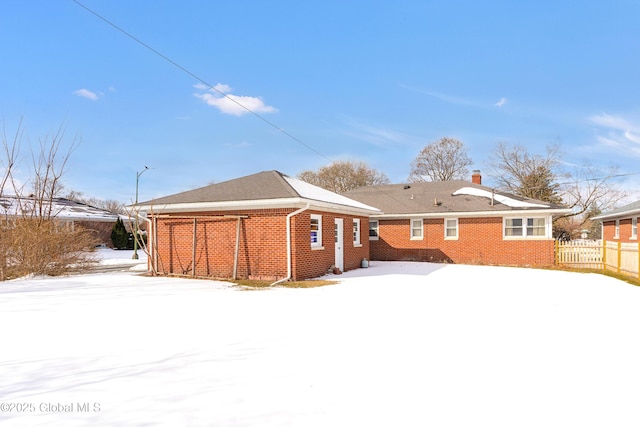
(476, 178)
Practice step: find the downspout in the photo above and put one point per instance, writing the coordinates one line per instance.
(292, 214)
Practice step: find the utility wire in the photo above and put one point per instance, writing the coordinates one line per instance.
(200, 79)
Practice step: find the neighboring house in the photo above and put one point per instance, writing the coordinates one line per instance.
(458, 222)
(264, 226)
(620, 224)
(64, 211)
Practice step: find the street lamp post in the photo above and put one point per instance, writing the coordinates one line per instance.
(135, 236)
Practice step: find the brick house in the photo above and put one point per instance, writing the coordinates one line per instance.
(264, 226)
(458, 222)
(621, 224)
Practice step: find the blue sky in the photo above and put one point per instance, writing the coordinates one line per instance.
(373, 81)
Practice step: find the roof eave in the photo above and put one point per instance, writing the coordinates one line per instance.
(477, 214)
(293, 202)
(617, 215)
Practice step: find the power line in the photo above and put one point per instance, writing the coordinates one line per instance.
(200, 79)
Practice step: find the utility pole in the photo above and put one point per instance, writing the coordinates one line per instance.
(135, 235)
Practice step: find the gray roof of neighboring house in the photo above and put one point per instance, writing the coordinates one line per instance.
(63, 209)
(445, 197)
(258, 188)
(627, 210)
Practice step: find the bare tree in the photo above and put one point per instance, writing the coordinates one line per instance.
(443, 160)
(592, 190)
(108, 204)
(529, 175)
(32, 240)
(48, 169)
(341, 176)
(10, 149)
(586, 191)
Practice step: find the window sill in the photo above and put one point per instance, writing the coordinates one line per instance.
(317, 248)
(374, 238)
(526, 238)
(450, 238)
(416, 238)
(357, 245)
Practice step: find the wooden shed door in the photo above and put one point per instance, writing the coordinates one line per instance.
(339, 240)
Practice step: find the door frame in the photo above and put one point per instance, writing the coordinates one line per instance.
(339, 242)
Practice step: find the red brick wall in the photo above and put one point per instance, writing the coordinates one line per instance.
(625, 231)
(262, 251)
(310, 262)
(480, 241)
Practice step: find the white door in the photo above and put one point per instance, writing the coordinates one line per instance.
(339, 239)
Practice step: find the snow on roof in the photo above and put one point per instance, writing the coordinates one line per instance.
(313, 192)
(505, 200)
(60, 209)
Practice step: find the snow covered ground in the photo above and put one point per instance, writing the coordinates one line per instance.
(397, 344)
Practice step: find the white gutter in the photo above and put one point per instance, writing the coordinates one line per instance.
(235, 205)
(292, 214)
(482, 214)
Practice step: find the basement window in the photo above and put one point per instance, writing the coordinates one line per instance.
(316, 231)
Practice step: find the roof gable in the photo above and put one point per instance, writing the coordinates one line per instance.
(259, 186)
(262, 187)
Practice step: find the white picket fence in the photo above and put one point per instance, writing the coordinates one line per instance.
(621, 257)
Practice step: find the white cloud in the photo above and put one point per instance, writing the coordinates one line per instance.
(222, 88)
(443, 97)
(374, 135)
(617, 132)
(608, 121)
(242, 144)
(455, 100)
(85, 93)
(220, 97)
(500, 103)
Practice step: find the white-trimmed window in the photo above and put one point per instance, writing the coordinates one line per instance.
(616, 232)
(451, 228)
(316, 231)
(416, 229)
(536, 227)
(373, 229)
(525, 227)
(356, 232)
(634, 227)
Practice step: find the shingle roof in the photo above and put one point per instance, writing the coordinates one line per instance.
(438, 197)
(262, 186)
(63, 209)
(630, 209)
